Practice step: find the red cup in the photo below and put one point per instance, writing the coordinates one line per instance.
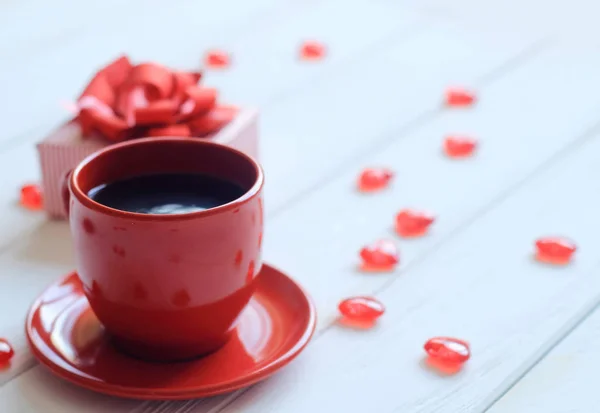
(167, 287)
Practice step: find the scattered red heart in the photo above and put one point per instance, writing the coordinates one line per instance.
(448, 351)
(362, 309)
(374, 179)
(31, 197)
(380, 256)
(459, 146)
(312, 50)
(217, 59)
(6, 352)
(459, 97)
(555, 250)
(411, 223)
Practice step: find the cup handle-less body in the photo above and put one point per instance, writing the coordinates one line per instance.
(167, 287)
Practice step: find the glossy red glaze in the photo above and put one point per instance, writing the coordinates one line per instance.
(459, 97)
(31, 197)
(411, 223)
(6, 352)
(217, 59)
(65, 335)
(374, 179)
(381, 255)
(364, 309)
(193, 292)
(447, 351)
(312, 50)
(459, 146)
(555, 250)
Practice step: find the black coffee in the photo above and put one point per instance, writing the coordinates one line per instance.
(166, 193)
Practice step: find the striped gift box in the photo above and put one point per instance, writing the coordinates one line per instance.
(61, 151)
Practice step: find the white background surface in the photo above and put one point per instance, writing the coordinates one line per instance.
(375, 100)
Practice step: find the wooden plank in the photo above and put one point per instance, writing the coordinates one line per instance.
(517, 132)
(35, 25)
(273, 56)
(454, 190)
(483, 286)
(573, 20)
(562, 381)
(40, 392)
(338, 217)
(401, 84)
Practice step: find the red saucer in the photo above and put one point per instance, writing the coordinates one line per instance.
(65, 335)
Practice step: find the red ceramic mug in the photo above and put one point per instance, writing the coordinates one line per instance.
(167, 287)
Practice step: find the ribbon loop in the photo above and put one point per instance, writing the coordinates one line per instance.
(198, 101)
(156, 80)
(213, 121)
(156, 113)
(125, 101)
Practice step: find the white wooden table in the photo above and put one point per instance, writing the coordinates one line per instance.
(374, 101)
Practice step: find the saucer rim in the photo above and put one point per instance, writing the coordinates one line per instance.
(142, 393)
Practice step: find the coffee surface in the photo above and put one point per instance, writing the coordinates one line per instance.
(166, 193)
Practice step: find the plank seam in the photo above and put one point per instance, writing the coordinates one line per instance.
(544, 350)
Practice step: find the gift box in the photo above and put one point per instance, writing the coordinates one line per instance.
(125, 101)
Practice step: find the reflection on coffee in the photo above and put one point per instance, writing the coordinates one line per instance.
(176, 193)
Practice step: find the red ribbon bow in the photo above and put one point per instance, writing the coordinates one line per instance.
(124, 101)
